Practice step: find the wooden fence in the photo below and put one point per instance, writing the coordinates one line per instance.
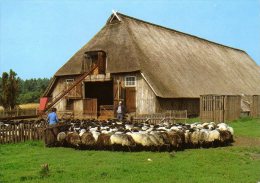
(220, 108)
(21, 132)
(169, 116)
(107, 111)
(255, 106)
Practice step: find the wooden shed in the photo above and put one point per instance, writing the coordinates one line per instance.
(152, 69)
(220, 108)
(255, 106)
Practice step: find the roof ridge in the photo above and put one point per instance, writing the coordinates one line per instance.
(160, 26)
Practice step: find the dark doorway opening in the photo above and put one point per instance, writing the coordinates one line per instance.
(102, 91)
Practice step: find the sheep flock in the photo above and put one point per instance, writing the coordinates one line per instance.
(127, 136)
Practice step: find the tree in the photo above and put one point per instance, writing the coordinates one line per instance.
(9, 90)
(4, 90)
(13, 89)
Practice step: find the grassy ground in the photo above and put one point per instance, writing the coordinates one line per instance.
(247, 127)
(239, 163)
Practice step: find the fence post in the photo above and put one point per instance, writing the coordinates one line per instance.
(1, 135)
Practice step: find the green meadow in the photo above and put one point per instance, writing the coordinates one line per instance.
(23, 162)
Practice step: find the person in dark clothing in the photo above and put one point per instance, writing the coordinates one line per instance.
(120, 111)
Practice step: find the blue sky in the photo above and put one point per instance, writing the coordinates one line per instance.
(38, 36)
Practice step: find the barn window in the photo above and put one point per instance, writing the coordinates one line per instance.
(130, 81)
(69, 104)
(96, 58)
(69, 81)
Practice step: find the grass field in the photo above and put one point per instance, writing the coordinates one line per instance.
(238, 163)
(25, 106)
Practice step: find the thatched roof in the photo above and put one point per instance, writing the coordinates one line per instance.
(174, 64)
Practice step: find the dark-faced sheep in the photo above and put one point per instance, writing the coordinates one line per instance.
(103, 141)
(175, 140)
(87, 140)
(73, 139)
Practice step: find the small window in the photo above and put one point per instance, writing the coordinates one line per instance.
(69, 80)
(130, 81)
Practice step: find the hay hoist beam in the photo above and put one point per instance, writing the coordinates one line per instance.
(81, 78)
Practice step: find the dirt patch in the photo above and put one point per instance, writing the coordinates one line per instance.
(246, 141)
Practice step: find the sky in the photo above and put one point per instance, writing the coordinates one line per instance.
(38, 36)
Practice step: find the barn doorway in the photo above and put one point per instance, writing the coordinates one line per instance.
(102, 91)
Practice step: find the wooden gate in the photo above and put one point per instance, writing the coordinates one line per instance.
(90, 107)
(220, 108)
(130, 98)
(211, 108)
(255, 106)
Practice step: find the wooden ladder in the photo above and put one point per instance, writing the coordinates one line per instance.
(62, 94)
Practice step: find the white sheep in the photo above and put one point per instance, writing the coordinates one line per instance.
(121, 139)
(214, 136)
(95, 134)
(61, 136)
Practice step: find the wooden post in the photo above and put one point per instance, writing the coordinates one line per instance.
(1, 135)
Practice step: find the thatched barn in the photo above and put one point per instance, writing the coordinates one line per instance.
(152, 69)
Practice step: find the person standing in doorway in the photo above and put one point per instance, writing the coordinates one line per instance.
(52, 118)
(120, 111)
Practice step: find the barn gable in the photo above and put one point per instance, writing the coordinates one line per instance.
(174, 64)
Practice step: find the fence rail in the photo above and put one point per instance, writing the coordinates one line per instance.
(169, 116)
(18, 112)
(21, 132)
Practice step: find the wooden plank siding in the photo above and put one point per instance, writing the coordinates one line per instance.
(145, 99)
(130, 99)
(255, 106)
(220, 108)
(191, 105)
(90, 107)
(232, 107)
(61, 85)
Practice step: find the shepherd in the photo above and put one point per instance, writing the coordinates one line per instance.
(120, 111)
(52, 118)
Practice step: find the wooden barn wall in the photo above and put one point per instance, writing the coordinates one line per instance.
(220, 108)
(145, 98)
(78, 108)
(59, 88)
(192, 105)
(232, 108)
(255, 106)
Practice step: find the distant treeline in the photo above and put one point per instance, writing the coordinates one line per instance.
(28, 91)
